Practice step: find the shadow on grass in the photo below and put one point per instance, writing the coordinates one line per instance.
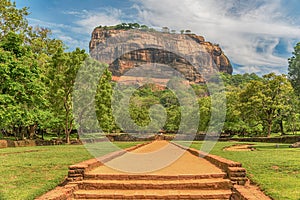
(273, 147)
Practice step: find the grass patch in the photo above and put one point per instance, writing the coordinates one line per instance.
(28, 172)
(276, 169)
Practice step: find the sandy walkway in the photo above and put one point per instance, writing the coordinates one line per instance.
(159, 157)
(246, 147)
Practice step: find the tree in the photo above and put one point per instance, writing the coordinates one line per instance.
(205, 113)
(12, 19)
(239, 80)
(165, 30)
(263, 102)
(233, 123)
(294, 69)
(23, 94)
(64, 68)
(103, 102)
(84, 97)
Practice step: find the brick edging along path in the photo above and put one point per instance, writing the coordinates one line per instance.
(77, 173)
(242, 189)
(234, 170)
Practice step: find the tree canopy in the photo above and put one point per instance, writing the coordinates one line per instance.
(294, 69)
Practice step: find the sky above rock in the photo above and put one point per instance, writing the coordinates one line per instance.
(257, 35)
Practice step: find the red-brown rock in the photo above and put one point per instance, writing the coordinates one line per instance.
(215, 59)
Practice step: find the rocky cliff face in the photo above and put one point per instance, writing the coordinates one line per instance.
(214, 56)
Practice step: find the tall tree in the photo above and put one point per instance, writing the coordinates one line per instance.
(103, 102)
(12, 19)
(263, 102)
(23, 94)
(64, 68)
(294, 69)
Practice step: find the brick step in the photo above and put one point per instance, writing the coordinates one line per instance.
(157, 198)
(152, 194)
(209, 184)
(91, 176)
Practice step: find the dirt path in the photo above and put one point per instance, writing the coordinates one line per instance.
(173, 173)
(238, 147)
(159, 157)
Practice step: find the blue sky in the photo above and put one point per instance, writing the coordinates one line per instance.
(257, 35)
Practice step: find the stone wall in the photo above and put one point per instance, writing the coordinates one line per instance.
(3, 144)
(31, 143)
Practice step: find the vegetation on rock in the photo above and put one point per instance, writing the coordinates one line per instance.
(125, 26)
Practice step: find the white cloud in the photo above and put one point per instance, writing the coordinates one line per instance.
(248, 30)
(62, 32)
(78, 33)
(37, 22)
(88, 20)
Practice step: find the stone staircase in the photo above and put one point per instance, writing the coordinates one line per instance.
(135, 186)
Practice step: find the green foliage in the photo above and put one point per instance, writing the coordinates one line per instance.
(103, 103)
(62, 76)
(205, 113)
(257, 105)
(294, 69)
(125, 26)
(262, 102)
(12, 19)
(23, 103)
(239, 80)
(36, 72)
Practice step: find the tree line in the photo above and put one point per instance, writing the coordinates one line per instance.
(255, 106)
(37, 77)
(37, 83)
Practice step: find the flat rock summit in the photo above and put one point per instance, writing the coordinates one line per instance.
(209, 57)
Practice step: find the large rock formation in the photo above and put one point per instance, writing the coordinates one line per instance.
(213, 56)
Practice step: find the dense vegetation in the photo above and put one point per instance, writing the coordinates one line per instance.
(256, 106)
(37, 83)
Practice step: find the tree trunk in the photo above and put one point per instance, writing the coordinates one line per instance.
(67, 137)
(32, 129)
(269, 129)
(68, 122)
(68, 129)
(42, 134)
(79, 132)
(67, 132)
(15, 131)
(22, 132)
(281, 127)
(294, 127)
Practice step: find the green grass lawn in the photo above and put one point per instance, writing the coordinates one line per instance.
(28, 172)
(276, 170)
